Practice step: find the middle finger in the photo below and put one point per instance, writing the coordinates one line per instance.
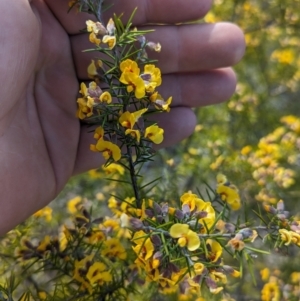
(186, 48)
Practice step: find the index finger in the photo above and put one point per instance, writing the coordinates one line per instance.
(148, 11)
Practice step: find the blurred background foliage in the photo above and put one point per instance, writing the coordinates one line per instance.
(253, 138)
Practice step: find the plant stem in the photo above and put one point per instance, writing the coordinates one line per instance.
(133, 179)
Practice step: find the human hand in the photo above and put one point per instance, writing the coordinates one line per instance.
(42, 144)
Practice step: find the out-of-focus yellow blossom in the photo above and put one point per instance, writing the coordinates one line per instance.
(236, 244)
(170, 162)
(154, 133)
(218, 162)
(113, 168)
(93, 67)
(63, 237)
(95, 174)
(45, 212)
(221, 179)
(283, 56)
(81, 268)
(265, 274)
(73, 204)
(218, 277)
(270, 292)
(286, 236)
(44, 244)
(295, 277)
(230, 195)
(292, 122)
(186, 237)
(94, 236)
(216, 291)
(98, 273)
(108, 149)
(114, 249)
(210, 18)
(42, 295)
(246, 150)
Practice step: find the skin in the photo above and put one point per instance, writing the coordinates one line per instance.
(42, 144)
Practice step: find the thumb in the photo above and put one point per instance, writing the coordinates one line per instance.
(19, 39)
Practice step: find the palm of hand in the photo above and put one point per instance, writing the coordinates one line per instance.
(41, 131)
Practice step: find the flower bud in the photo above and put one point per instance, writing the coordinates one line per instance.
(136, 224)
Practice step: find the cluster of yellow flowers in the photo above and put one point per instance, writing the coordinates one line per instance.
(276, 289)
(273, 159)
(134, 88)
(172, 245)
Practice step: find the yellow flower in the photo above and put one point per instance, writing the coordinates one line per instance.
(93, 67)
(198, 268)
(128, 120)
(221, 179)
(94, 236)
(236, 244)
(265, 274)
(85, 107)
(81, 267)
(131, 77)
(214, 250)
(286, 236)
(44, 244)
(42, 295)
(108, 149)
(46, 212)
(151, 77)
(93, 39)
(105, 97)
(197, 204)
(160, 103)
(95, 29)
(284, 56)
(134, 133)
(144, 247)
(186, 237)
(99, 133)
(110, 41)
(230, 195)
(97, 274)
(134, 84)
(73, 204)
(154, 133)
(270, 292)
(130, 66)
(295, 277)
(191, 200)
(114, 249)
